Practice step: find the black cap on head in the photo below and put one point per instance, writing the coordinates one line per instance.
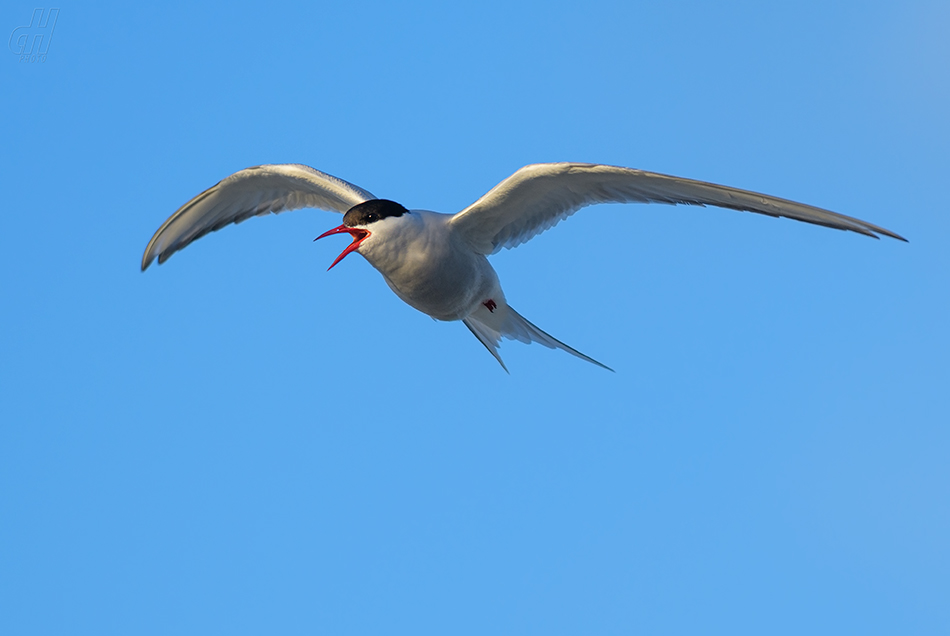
(372, 211)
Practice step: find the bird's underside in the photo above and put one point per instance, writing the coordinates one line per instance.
(402, 243)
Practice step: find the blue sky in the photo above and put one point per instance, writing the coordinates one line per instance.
(241, 442)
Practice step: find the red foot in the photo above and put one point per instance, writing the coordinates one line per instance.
(490, 304)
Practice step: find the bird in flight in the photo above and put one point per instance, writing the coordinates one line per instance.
(438, 263)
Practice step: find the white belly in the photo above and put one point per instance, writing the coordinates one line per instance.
(425, 266)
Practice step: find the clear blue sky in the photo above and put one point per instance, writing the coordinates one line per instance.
(239, 442)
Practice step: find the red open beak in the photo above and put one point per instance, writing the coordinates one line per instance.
(358, 237)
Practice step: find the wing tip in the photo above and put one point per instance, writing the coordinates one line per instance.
(894, 235)
(147, 259)
(877, 232)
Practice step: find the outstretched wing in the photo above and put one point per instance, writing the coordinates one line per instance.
(251, 192)
(538, 196)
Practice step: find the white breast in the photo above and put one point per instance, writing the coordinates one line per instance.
(429, 266)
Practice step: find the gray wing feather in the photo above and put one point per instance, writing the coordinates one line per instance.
(538, 196)
(251, 192)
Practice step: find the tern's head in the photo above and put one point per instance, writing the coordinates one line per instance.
(359, 222)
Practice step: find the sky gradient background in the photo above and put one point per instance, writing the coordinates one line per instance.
(240, 442)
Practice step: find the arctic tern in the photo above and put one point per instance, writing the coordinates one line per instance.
(437, 263)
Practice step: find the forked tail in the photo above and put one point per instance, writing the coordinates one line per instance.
(516, 327)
